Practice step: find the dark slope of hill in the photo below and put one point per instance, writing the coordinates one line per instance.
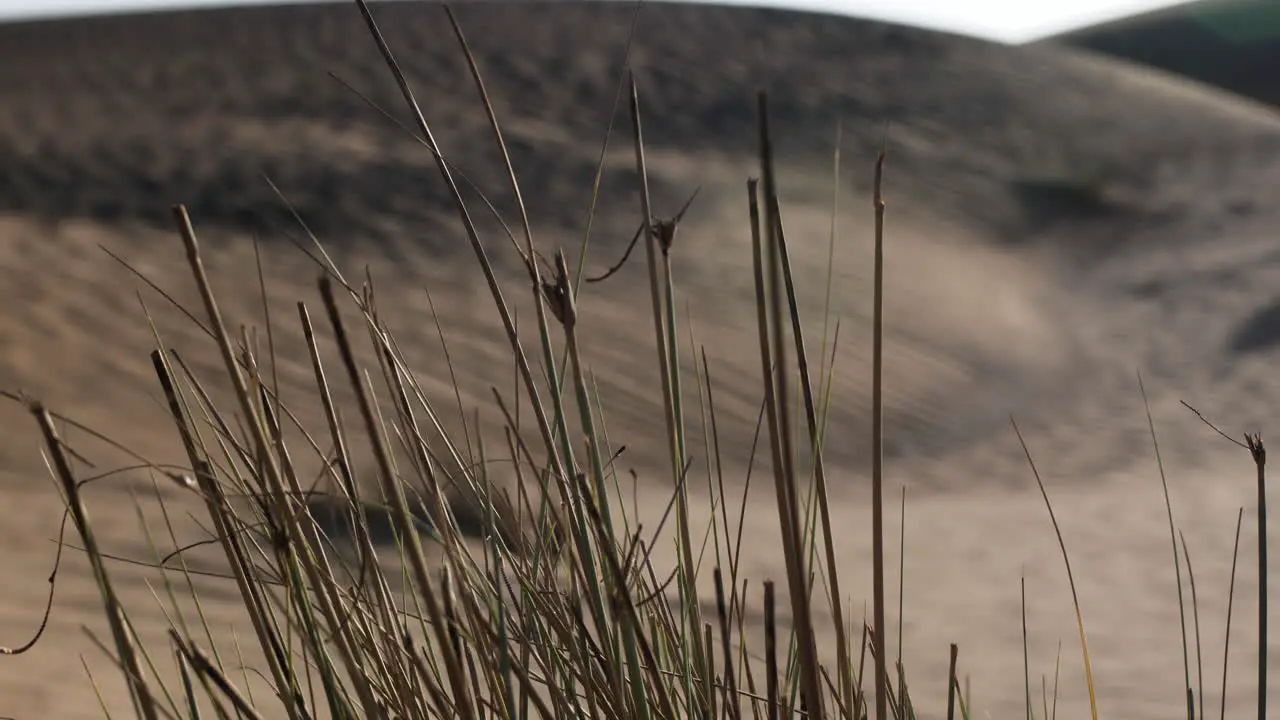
(1232, 44)
(136, 112)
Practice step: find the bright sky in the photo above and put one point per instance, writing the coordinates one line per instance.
(1001, 20)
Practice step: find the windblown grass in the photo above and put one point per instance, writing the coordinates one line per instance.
(560, 611)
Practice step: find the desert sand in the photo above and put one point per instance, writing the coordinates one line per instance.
(1057, 223)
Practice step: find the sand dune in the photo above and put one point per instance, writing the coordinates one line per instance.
(1231, 44)
(1057, 222)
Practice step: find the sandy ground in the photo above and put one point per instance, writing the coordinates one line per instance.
(1057, 224)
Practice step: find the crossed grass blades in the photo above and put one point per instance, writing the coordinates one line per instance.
(560, 612)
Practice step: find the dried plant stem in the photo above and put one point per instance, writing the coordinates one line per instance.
(1259, 453)
(1195, 614)
(877, 446)
(952, 683)
(1177, 562)
(1231, 596)
(143, 702)
(1071, 579)
(784, 448)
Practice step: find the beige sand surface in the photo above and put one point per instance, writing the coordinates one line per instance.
(1057, 224)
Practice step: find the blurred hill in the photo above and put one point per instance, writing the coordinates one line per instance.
(1232, 44)
(1056, 219)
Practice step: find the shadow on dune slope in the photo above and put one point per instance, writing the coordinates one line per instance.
(1231, 44)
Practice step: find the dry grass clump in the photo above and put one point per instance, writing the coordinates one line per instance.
(543, 600)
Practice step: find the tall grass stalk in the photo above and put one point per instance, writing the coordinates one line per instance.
(1026, 651)
(1259, 453)
(815, 422)
(1066, 559)
(1195, 614)
(877, 446)
(1177, 561)
(662, 300)
(1231, 596)
(952, 682)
